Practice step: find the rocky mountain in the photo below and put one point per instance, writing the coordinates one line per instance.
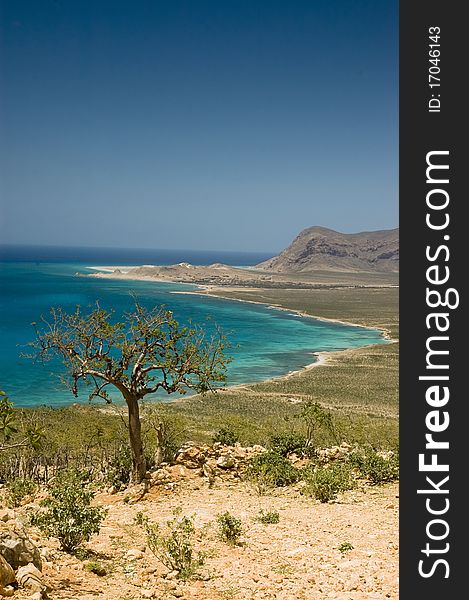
(321, 249)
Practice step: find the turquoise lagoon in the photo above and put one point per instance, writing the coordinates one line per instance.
(266, 342)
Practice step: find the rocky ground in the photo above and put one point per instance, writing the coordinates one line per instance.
(297, 558)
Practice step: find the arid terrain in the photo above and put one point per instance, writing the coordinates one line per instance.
(298, 558)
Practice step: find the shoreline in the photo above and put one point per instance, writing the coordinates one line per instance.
(322, 358)
(384, 332)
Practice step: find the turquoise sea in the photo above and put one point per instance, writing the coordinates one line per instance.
(266, 342)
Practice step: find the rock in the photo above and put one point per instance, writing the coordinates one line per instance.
(209, 472)
(147, 593)
(7, 575)
(16, 547)
(6, 514)
(45, 554)
(160, 476)
(7, 591)
(178, 593)
(240, 452)
(137, 492)
(258, 449)
(226, 461)
(134, 554)
(150, 571)
(172, 575)
(30, 577)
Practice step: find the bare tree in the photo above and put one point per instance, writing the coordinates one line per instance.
(148, 351)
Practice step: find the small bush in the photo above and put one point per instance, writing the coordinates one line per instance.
(324, 483)
(18, 489)
(230, 528)
(287, 443)
(68, 515)
(120, 467)
(345, 547)
(273, 469)
(164, 434)
(95, 567)
(226, 436)
(319, 423)
(376, 468)
(140, 518)
(174, 547)
(268, 518)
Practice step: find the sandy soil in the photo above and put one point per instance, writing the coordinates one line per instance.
(298, 558)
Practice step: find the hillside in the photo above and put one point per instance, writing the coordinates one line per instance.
(318, 249)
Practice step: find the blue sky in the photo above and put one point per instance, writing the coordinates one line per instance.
(203, 124)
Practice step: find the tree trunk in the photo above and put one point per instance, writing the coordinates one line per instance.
(135, 439)
(159, 444)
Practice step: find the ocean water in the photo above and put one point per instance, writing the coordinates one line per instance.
(265, 342)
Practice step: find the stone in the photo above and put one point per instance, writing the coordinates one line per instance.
(45, 554)
(160, 475)
(240, 452)
(7, 575)
(7, 591)
(16, 546)
(226, 461)
(172, 575)
(6, 514)
(29, 577)
(134, 554)
(258, 448)
(208, 471)
(147, 593)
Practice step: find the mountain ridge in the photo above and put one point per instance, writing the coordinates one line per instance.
(319, 248)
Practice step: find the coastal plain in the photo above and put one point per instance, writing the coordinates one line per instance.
(359, 385)
(343, 549)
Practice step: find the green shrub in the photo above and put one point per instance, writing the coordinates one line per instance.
(376, 468)
(319, 423)
(287, 443)
(68, 515)
(345, 547)
(95, 567)
(120, 467)
(226, 436)
(140, 518)
(230, 528)
(273, 469)
(174, 546)
(17, 489)
(268, 518)
(163, 434)
(325, 482)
